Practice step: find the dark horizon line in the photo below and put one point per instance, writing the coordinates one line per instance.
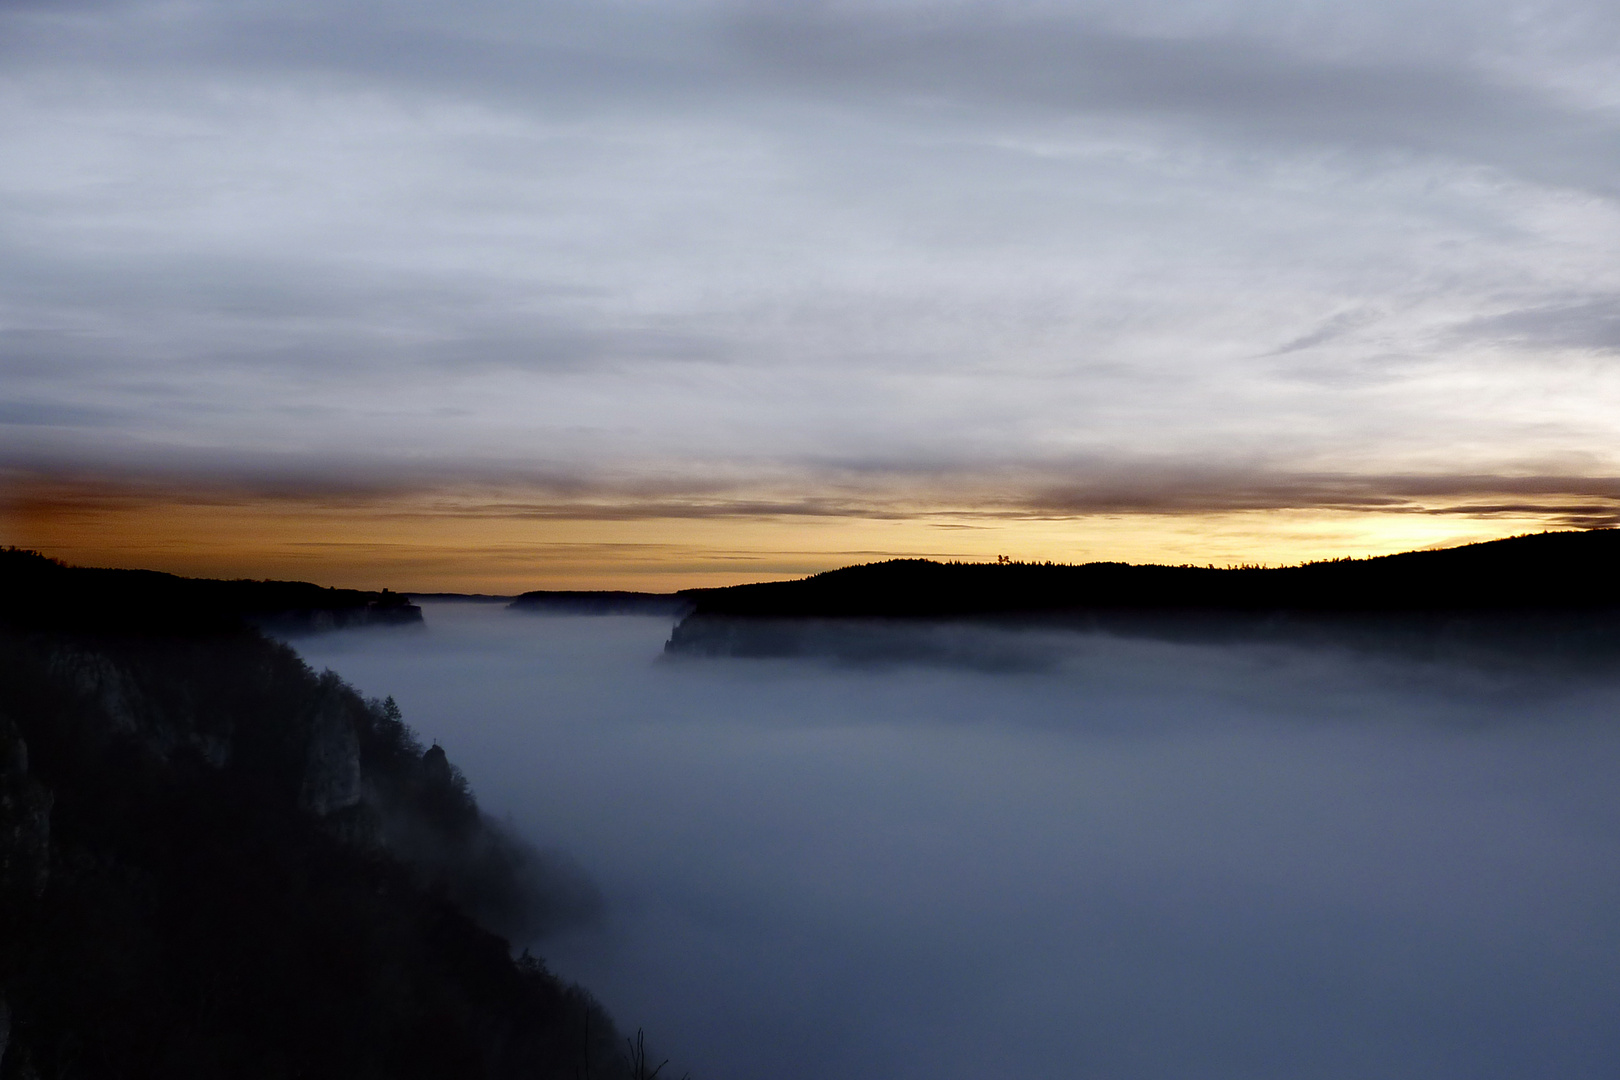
(443, 595)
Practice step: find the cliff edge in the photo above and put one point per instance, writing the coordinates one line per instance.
(216, 862)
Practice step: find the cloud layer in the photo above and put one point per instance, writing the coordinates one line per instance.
(1009, 258)
(1064, 855)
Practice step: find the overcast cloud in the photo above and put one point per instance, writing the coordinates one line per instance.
(1030, 257)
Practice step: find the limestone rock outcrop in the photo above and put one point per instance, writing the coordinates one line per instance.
(25, 819)
(332, 761)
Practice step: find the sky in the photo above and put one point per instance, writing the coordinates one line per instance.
(497, 296)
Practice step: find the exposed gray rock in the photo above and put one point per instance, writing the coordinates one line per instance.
(96, 677)
(436, 767)
(332, 762)
(127, 710)
(25, 819)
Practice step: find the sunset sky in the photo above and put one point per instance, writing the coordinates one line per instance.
(497, 296)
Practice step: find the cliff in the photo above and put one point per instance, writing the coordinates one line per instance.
(217, 862)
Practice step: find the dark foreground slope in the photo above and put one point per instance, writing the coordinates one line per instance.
(1562, 585)
(216, 863)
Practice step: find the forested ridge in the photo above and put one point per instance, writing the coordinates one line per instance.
(1555, 571)
(1548, 597)
(217, 862)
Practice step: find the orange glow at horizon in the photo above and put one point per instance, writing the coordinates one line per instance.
(410, 546)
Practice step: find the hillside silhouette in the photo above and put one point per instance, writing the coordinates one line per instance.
(43, 592)
(215, 862)
(1558, 571)
(1546, 595)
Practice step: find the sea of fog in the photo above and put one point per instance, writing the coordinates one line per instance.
(1123, 859)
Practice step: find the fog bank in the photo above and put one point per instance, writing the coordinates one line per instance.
(1119, 859)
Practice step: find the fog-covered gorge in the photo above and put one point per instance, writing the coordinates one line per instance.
(1083, 856)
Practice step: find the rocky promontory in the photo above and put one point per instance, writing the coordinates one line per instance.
(217, 862)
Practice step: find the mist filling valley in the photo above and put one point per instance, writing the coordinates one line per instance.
(1048, 853)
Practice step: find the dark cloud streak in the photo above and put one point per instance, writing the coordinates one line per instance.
(565, 57)
(393, 489)
(1248, 88)
(1583, 324)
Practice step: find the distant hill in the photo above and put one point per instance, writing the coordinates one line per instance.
(45, 592)
(1547, 597)
(601, 602)
(1557, 571)
(462, 597)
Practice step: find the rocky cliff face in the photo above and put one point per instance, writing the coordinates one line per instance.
(25, 819)
(25, 834)
(216, 862)
(332, 760)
